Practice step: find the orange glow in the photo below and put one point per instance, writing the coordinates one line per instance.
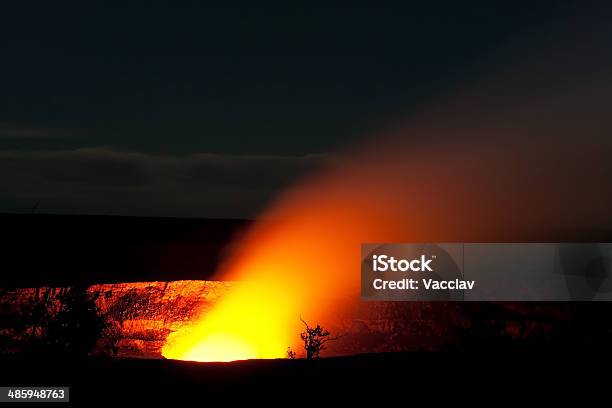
(304, 263)
(305, 260)
(248, 323)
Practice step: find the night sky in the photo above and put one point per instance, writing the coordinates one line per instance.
(194, 111)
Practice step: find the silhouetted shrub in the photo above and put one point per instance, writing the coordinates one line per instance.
(314, 339)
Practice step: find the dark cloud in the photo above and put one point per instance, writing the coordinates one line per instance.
(106, 181)
(37, 132)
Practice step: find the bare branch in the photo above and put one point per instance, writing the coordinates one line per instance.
(314, 339)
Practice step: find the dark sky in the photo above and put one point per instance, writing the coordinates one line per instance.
(99, 101)
(254, 80)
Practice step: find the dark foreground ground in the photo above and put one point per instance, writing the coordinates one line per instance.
(404, 377)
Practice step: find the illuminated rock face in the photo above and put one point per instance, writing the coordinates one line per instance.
(137, 318)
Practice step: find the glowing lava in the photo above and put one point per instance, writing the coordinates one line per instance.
(248, 323)
(305, 263)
